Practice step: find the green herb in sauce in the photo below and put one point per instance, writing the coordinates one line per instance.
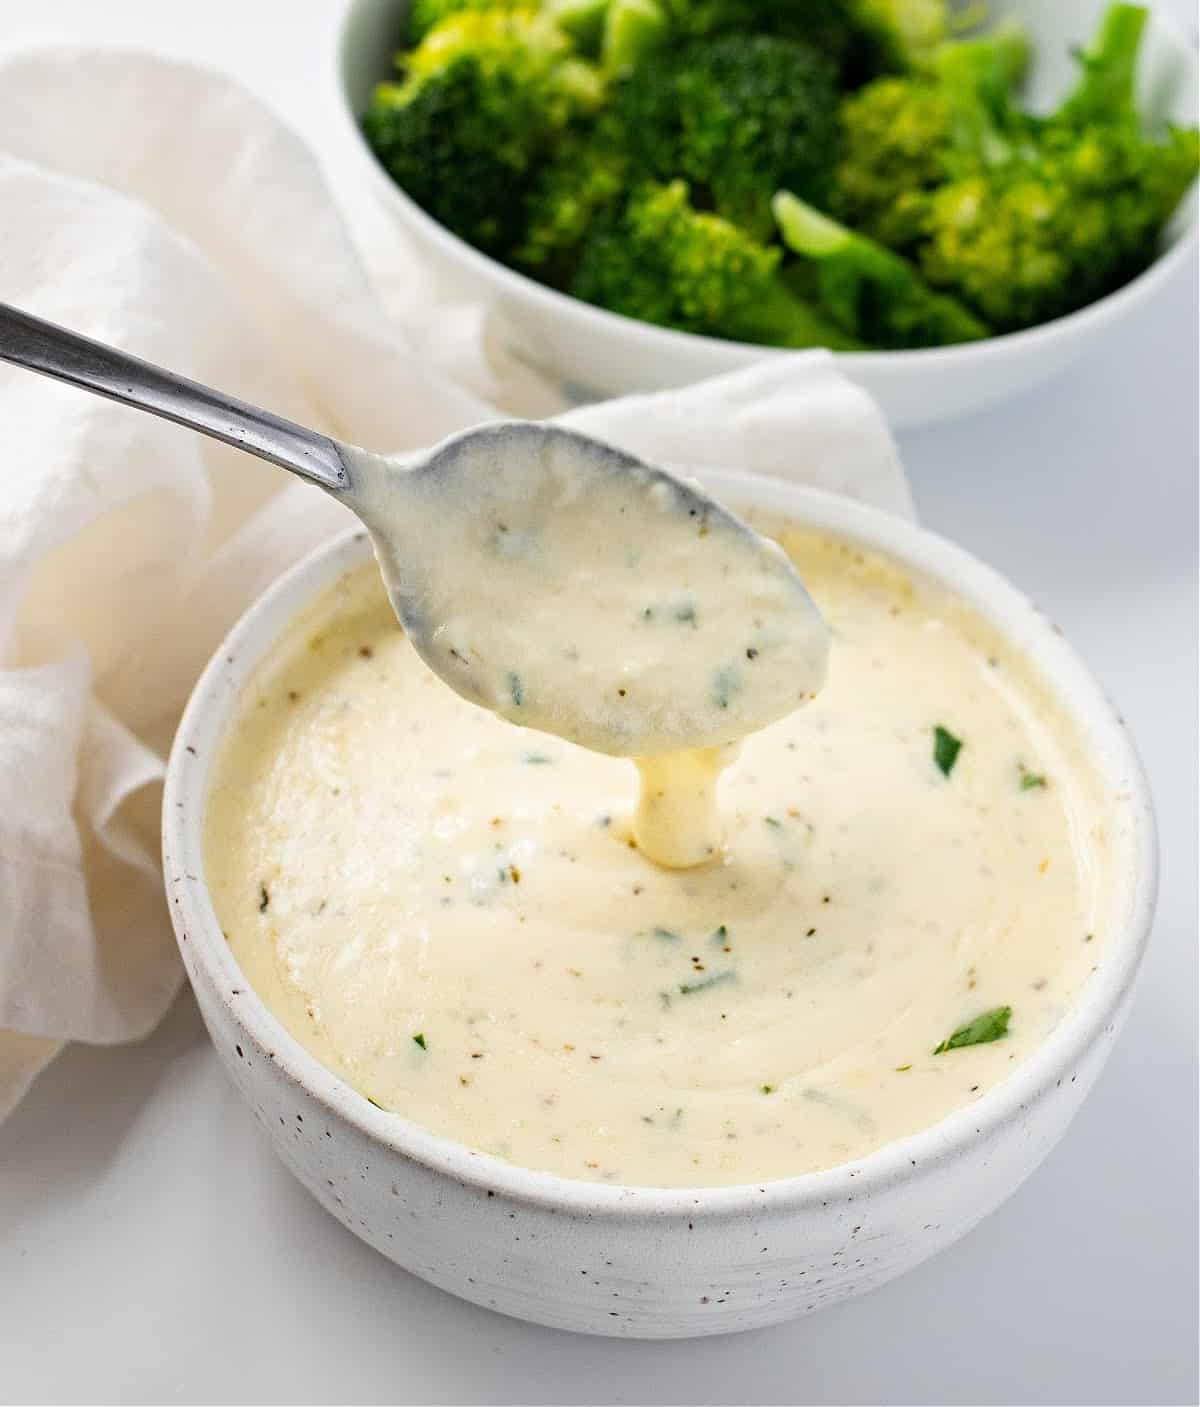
(516, 689)
(946, 748)
(725, 685)
(986, 1027)
(1029, 780)
(419, 1039)
(686, 989)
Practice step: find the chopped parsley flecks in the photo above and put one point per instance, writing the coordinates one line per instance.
(686, 989)
(264, 898)
(375, 1102)
(946, 748)
(720, 936)
(986, 1027)
(1029, 780)
(537, 759)
(685, 614)
(774, 822)
(767, 1089)
(666, 935)
(516, 689)
(725, 685)
(419, 1039)
(900, 1069)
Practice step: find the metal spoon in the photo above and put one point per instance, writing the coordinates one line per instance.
(563, 583)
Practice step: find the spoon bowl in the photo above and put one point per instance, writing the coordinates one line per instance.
(570, 587)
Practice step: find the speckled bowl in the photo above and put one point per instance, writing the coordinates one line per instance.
(637, 1261)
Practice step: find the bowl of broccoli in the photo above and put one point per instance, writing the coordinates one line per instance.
(957, 199)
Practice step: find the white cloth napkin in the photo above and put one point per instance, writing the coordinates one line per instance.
(162, 208)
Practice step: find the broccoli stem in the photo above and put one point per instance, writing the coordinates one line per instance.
(783, 320)
(989, 67)
(979, 76)
(869, 291)
(806, 231)
(1105, 87)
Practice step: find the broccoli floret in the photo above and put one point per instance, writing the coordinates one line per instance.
(632, 29)
(581, 20)
(484, 96)
(735, 117)
(863, 38)
(427, 14)
(586, 177)
(517, 45)
(907, 33)
(662, 261)
(1072, 207)
(867, 290)
(906, 136)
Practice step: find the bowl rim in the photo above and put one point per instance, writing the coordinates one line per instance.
(667, 340)
(214, 701)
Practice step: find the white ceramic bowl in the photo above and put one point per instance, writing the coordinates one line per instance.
(633, 1261)
(598, 353)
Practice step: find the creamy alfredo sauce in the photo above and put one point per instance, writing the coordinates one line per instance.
(453, 913)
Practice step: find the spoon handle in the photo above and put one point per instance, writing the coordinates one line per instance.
(54, 351)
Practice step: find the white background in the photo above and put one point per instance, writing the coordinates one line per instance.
(152, 1249)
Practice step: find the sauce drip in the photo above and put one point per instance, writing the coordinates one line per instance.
(677, 823)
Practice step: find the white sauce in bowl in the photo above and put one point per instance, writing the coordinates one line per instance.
(389, 862)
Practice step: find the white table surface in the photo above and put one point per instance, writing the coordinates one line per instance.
(152, 1249)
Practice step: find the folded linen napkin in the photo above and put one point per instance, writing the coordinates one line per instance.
(128, 546)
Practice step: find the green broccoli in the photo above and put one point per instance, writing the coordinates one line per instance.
(868, 291)
(632, 30)
(645, 154)
(863, 38)
(662, 261)
(428, 14)
(483, 97)
(1104, 90)
(587, 176)
(907, 33)
(736, 117)
(906, 136)
(1067, 207)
